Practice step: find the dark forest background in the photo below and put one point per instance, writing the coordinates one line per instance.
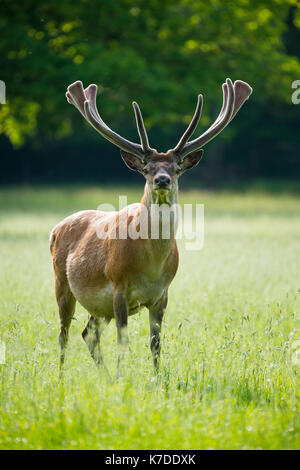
(161, 54)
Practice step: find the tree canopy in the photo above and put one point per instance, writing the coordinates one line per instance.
(160, 53)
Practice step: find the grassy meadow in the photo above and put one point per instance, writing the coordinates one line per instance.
(230, 365)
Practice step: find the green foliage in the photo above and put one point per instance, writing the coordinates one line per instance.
(227, 381)
(161, 53)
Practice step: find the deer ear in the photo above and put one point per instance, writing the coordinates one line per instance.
(133, 162)
(191, 160)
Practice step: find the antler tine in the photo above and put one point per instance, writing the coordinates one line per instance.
(75, 95)
(223, 109)
(217, 126)
(242, 91)
(224, 105)
(90, 94)
(85, 102)
(192, 126)
(141, 127)
(233, 98)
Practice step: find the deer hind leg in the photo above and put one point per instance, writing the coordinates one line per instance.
(66, 304)
(121, 317)
(91, 335)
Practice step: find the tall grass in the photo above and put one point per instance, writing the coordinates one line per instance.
(229, 375)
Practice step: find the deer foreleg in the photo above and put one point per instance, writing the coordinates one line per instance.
(156, 313)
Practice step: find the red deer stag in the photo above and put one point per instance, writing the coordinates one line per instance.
(112, 277)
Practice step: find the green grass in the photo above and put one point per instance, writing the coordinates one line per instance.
(227, 381)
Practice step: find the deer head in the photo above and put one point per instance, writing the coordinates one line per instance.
(161, 170)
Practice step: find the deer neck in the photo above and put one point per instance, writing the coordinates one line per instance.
(161, 212)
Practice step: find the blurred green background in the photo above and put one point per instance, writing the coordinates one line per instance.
(162, 54)
(230, 371)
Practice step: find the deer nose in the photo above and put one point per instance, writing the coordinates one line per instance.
(162, 181)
